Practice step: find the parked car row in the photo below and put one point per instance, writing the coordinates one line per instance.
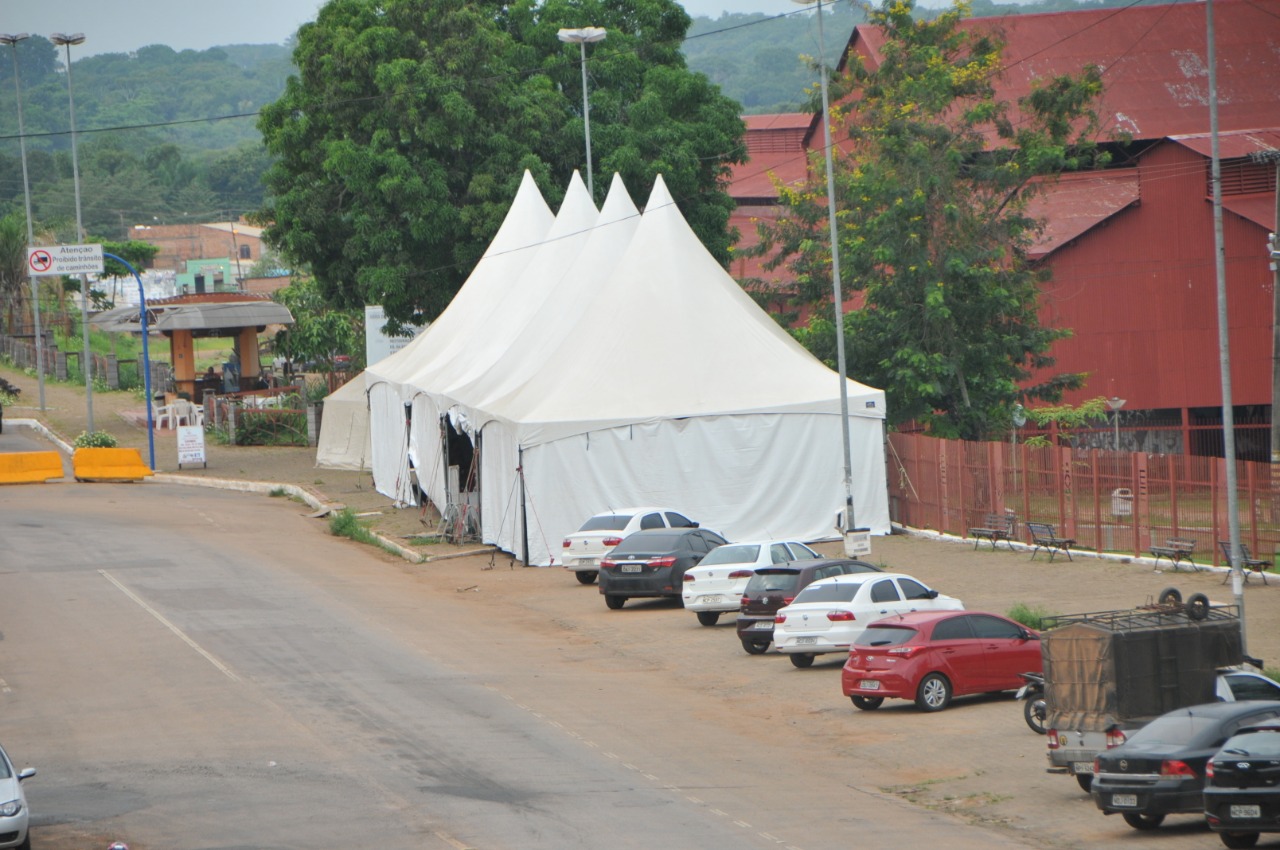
(902, 639)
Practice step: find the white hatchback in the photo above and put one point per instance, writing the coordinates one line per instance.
(582, 550)
(14, 818)
(827, 615)
(716, 585)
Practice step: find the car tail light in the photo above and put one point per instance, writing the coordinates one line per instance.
(741, 574)
(1115, 738)
(1097, 766)
(1053, 739)
(905, 651)
(688, 577)
(744, 601)
(668, 561)
(567, 543)
(787, 600)
(780, 618)
(611, 541)
(1176, 769)
(607, 563)
(1208, 771)
(840, 616)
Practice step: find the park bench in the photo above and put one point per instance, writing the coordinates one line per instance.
(994, 528)
(1176, 549)
(1045, 536)
(1247, 561)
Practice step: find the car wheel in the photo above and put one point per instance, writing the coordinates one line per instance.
(708, 618)
(1138, 820)
(1198, 606)
(1239, 840)
(756, 647)
(1034, 713)
(1170, 596)
(802, 659)
(867, 703)
(934, 693)
(1085, 781)
(586, 576)
(615, 602)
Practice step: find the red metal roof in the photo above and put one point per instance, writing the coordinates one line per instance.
(1238, 144)
(775, 148)
(1077, 202)
(1154, 62)
(1260, 209)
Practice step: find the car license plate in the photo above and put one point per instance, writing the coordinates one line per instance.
(1127, 801)
(1085, 767)
(869, 684)
(763, 625)
(710, 600)
(586, 562)
(1246, 811)
(806, 641)
(630, 568)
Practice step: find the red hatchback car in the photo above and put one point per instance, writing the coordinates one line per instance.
(932, 656)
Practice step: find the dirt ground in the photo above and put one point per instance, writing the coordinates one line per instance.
(977, 760)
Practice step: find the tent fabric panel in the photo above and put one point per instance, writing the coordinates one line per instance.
(389, 444)
(344, 428)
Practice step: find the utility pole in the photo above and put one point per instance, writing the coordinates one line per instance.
(1273, 249)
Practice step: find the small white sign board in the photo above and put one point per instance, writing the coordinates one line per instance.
(191, 445)
(378, 345)
(64, 259)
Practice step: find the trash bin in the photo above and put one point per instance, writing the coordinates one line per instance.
(1121, 502)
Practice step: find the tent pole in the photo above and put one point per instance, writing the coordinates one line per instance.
(524, 515)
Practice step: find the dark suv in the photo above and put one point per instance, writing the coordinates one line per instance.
(1242, 785)
(773, 587)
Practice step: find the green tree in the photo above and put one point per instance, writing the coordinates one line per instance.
(933, 226)
(406, 132)
(13, 267)
(318, 332)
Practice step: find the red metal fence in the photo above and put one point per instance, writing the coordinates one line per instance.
(1122, 502)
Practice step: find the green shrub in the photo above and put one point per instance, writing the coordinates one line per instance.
(1031, 616)
(95, 440)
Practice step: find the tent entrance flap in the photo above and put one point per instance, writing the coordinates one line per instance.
(461, 481)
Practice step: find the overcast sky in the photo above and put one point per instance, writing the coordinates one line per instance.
(122, 26)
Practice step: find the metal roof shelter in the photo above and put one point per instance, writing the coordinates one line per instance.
(237, 315)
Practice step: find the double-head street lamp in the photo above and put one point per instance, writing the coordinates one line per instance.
(12, 40)
(65, 40)
(836, 289)
(582, 37)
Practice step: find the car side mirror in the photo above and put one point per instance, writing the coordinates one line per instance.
(931, 594)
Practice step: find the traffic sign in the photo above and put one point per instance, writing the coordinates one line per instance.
(64, 259)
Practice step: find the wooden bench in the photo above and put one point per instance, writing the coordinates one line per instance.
(1247, 562)
(995, 527)
(1045, 536)
(1176, 549)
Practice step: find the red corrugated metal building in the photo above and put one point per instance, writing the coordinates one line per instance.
(1131, 248)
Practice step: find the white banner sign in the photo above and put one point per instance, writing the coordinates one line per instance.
(190, 445)
(64, 259)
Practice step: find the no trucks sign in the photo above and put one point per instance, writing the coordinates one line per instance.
(64, 259)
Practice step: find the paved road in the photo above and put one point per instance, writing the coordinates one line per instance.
(191, 668)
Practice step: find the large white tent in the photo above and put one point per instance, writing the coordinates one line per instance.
(601, 359)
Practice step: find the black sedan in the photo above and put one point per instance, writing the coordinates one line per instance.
(1242, 786)
(652, 563)
(1160, 770)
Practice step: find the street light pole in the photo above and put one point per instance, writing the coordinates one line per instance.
(582, 37)
(837, 294)
(1115, 403)
(12, 41)
(64, 40)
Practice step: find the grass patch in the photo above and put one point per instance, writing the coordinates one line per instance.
(1031, 616)
(278, 492)
(344, 523)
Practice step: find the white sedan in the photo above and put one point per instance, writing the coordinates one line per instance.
(14, 818)
(582, 550)
(716, 585)
(827, 615)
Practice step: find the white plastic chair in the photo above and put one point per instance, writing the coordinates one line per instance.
(166, 416)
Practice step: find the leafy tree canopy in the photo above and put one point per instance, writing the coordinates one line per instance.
(318, 333)
(405, 134)
(933, 224)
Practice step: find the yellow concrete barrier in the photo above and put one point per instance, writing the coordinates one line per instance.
(29, 467)
(109, 465)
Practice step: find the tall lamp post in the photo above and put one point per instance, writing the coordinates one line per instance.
(1115, 403)
(12, 41)
(837, 300)
(65, 40)
(582, 37)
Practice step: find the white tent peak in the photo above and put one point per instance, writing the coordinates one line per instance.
(525, 222)
(659, 196)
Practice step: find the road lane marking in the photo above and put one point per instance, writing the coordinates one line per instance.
(226, 671)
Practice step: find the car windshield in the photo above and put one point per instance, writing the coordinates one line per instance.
(1180, 730)
(642, 542)
(885, 636)
(1261, 744)
(834, 592)
(772, 581)
(732, 553)
(606, 522)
